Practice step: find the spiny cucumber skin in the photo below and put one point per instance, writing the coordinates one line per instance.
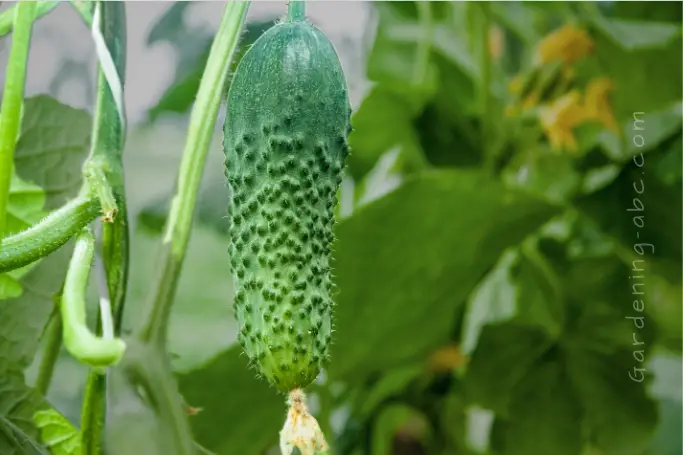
(286, 141)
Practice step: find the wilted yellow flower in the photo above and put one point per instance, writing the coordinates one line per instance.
(496, 42)
(597, 105)
(567, 44)
(560, 118)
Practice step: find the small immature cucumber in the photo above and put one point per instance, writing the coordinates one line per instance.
(285, 140)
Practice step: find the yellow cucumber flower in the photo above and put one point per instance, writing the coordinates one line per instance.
(559, 119)
(597, 104)
(568, 44)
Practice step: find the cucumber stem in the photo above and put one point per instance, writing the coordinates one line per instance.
(53, 231)
(296, 11)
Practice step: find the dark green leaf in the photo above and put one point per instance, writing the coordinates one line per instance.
(544, 418)
(501, 360)
(600, 382)
(239, 413)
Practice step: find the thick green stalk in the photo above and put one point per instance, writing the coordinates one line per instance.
(12, 99)
(107, 148)
(49, 234)
(7, 17)
(296, 11)
(151, 366)
(202, 123)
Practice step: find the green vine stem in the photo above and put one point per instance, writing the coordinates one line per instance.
(53, 344)
(485, 61)
(12, 99)
(49, 234)
(296, 11)
(107, 151)
(7, 17)
(78, 339)
(146, 363)
(179, 223)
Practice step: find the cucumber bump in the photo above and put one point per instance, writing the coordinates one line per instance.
(286, 141)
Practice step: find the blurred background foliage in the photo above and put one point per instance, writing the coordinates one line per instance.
(514, 184)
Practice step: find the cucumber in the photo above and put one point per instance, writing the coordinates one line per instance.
(286, 141)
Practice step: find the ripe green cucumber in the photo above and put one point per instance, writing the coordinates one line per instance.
(285, 140)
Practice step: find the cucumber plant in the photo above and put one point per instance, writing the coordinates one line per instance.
(285, 141)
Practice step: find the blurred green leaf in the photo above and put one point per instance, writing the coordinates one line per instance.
(600, 382)
(637, 35)
(544, 174)
(383, 121)
(659, 70)
(18, 403)
(391, 382)
(501, 360)
(390, 420)
(544, 418)
(420, 236)
(239, 413)
(57, 433)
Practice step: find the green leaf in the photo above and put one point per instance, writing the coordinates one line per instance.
(501, 360)
(544, 418)
(54, 142)
(18, 403)
(600, 382)
(50, 150)
(57, 433)
(544, 174)
(423, 249)
(239, 413)
(23, 318)
(637, 35)
(657, 69)
(521, 288)
(383, 121)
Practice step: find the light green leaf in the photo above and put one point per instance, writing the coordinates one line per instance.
(636, 35)
(57, 433)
